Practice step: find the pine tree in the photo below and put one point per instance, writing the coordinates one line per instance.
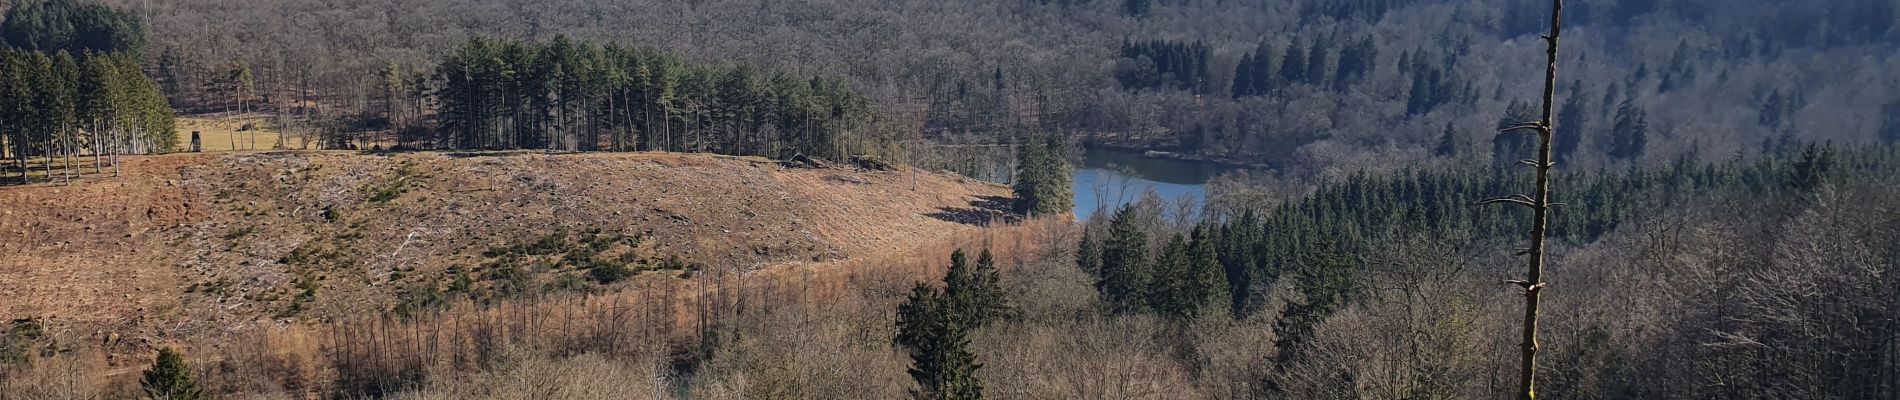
(933, 327)
(1890, 122)
(1509, 146)
(1125, 271)
(1293, 64)
(1572, 119)
(1263, 80)
(1211, 294)
(169, 379)
(1448, 142)
(1137, 8)
(1243, 77)
(1043, 184)
(1630, 134)
(1170, 292)
(974, 293)
(1318, 61)
(1088, 253)
(1813, 170)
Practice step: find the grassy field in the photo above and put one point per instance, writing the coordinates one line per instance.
(226, 132)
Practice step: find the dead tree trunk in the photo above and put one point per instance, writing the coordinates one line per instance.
(1540, 205)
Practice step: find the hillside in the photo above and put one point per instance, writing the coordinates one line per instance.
(190, 245)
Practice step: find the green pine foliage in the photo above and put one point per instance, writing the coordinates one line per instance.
(1448, 142)
(1254, 74)
(170, 379)
(569, 95)
(1510, 146)
(933, 327)
(974, 291)
(1890, 122)
(1433, 84)
(1043, 186)
(1630, 133)
(71, 26)
(1572, 122)
(1313, 240)
(1188, 281)
(1165, 64)
(47, 99)
(1124, 274)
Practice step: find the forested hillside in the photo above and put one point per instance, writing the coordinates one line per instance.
(72, 85)
(1711, 203)
(1316, 84)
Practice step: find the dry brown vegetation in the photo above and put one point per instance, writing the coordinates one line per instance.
(210, 248)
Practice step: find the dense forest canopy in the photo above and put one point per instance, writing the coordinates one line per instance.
(570, 95)
(72, 83)
(72, 26)
(1328, 86)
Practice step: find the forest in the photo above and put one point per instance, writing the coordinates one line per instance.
(75, 86)
(1710, 200)
(582, 96)
(1328, 87)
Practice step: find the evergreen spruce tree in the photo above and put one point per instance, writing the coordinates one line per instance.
(1243, 77)
(1088, 253)
(1890, 122)
(1125, 270)
(1170, 292)
(1448, 142)
(1509, 146)
(169, 379)
(1263, 80)
(1042, 184)
(974, 293)
(1293, 64)
(1032, 172)
(1630, 134)
(1210, 294)
(933, 327)
(1572, 119)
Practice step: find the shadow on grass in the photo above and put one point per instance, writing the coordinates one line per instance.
(983, 211)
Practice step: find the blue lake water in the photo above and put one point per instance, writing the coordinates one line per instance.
(1110, 178)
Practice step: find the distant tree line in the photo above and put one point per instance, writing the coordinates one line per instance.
(1228, 265)
(71, 84)
(67, 25)
(1261, 72)
(1163, 64)
(568, 95)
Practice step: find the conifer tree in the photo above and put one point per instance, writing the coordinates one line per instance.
(1188, 280)
(1043, 184)
(1170, 292)
(1088, 253)
(1125, 271)
(1448, 142)
(933, 327)
(1890, 122)
(1630, 134)
(1293, 64)
(1572, 119)
(169, 379)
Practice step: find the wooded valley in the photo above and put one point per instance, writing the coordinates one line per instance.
(726, 199)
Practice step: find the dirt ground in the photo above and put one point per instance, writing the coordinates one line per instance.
(187, 245)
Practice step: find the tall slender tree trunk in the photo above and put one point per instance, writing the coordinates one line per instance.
(1540, 205)
(98, 147)
(66, 141)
